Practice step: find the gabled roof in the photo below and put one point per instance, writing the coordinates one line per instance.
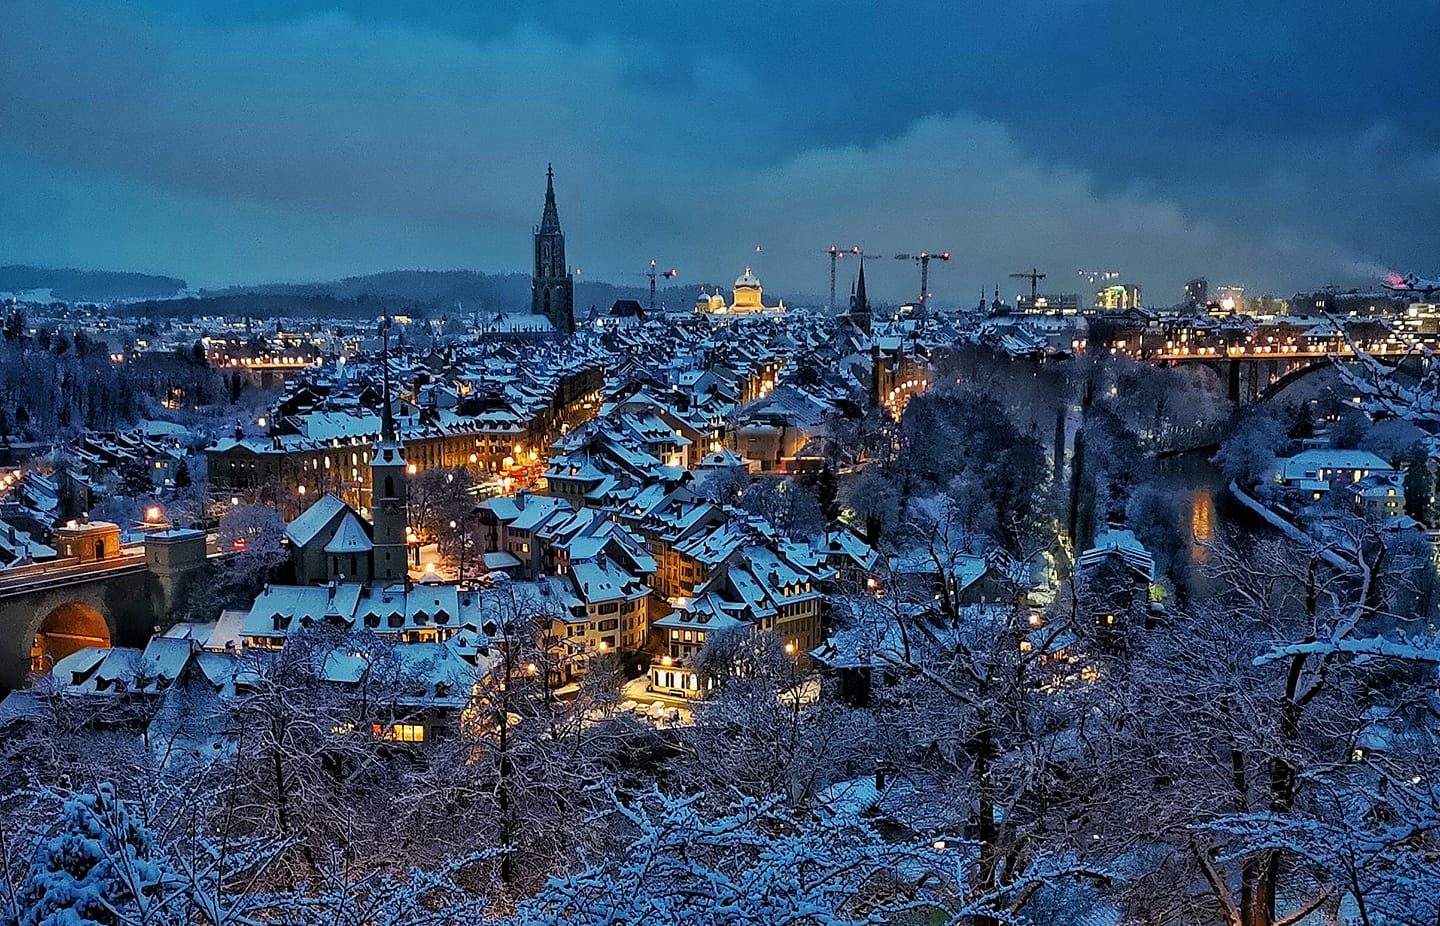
(597, 582)
(312, 520)
(350, 537)
(1122, 543)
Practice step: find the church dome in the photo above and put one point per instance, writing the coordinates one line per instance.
(747, 281)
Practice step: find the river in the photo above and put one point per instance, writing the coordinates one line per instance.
(1209, 508)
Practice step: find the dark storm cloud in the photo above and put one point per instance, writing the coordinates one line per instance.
(1284, 146)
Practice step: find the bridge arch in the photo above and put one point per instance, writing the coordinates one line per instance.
(69, 618)
(1289, 379)
(65, 629)
(1322, 364)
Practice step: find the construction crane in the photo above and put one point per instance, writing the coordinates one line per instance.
(923, 259)
(652, 273)
(1034, 276)
(837, 254)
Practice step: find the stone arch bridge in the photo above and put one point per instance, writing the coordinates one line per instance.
(48, 611)
(1257, 377)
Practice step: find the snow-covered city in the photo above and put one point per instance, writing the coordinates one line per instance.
(804, 587)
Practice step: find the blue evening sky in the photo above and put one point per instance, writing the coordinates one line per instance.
(1277, 144)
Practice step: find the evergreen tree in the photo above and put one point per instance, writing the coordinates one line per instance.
(182, 475)
(100, 866)
(1419, 486)
(827, 492)
(15, 324)
(135, 479)
(1302, 427)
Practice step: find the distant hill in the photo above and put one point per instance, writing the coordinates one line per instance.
(88, 285)
(428, 293)
(422, 287)
(424, 293)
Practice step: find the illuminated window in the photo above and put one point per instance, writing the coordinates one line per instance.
(400, 732)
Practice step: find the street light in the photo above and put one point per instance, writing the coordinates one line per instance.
(463, 544)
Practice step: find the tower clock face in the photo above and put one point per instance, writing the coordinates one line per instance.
(389, 506)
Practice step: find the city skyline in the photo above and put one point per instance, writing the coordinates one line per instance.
(267, 144)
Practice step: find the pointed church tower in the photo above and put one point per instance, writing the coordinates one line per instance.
(552, 289)
(389, 498)
(859, 304)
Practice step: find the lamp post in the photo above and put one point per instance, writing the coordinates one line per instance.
(462, 542)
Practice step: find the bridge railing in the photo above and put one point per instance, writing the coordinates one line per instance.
(34, 576)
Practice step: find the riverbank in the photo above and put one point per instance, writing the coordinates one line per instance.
(1286, 526)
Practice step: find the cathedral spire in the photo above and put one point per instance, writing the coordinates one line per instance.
(552, 290)
(387, 417)
(860, 303)
(550, 219)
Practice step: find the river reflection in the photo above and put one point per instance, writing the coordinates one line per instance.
(1202, 524)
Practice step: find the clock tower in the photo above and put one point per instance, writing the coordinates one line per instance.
(389, 498)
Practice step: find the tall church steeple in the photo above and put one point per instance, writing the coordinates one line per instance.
(859, 304)
(552, 289)
(389, 495)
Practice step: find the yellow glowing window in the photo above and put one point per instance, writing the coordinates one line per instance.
(401, 732)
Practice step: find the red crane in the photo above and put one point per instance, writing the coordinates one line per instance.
(652, 274)
(923, 259)
(837, 254)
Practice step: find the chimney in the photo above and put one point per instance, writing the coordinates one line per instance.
(520, 498)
